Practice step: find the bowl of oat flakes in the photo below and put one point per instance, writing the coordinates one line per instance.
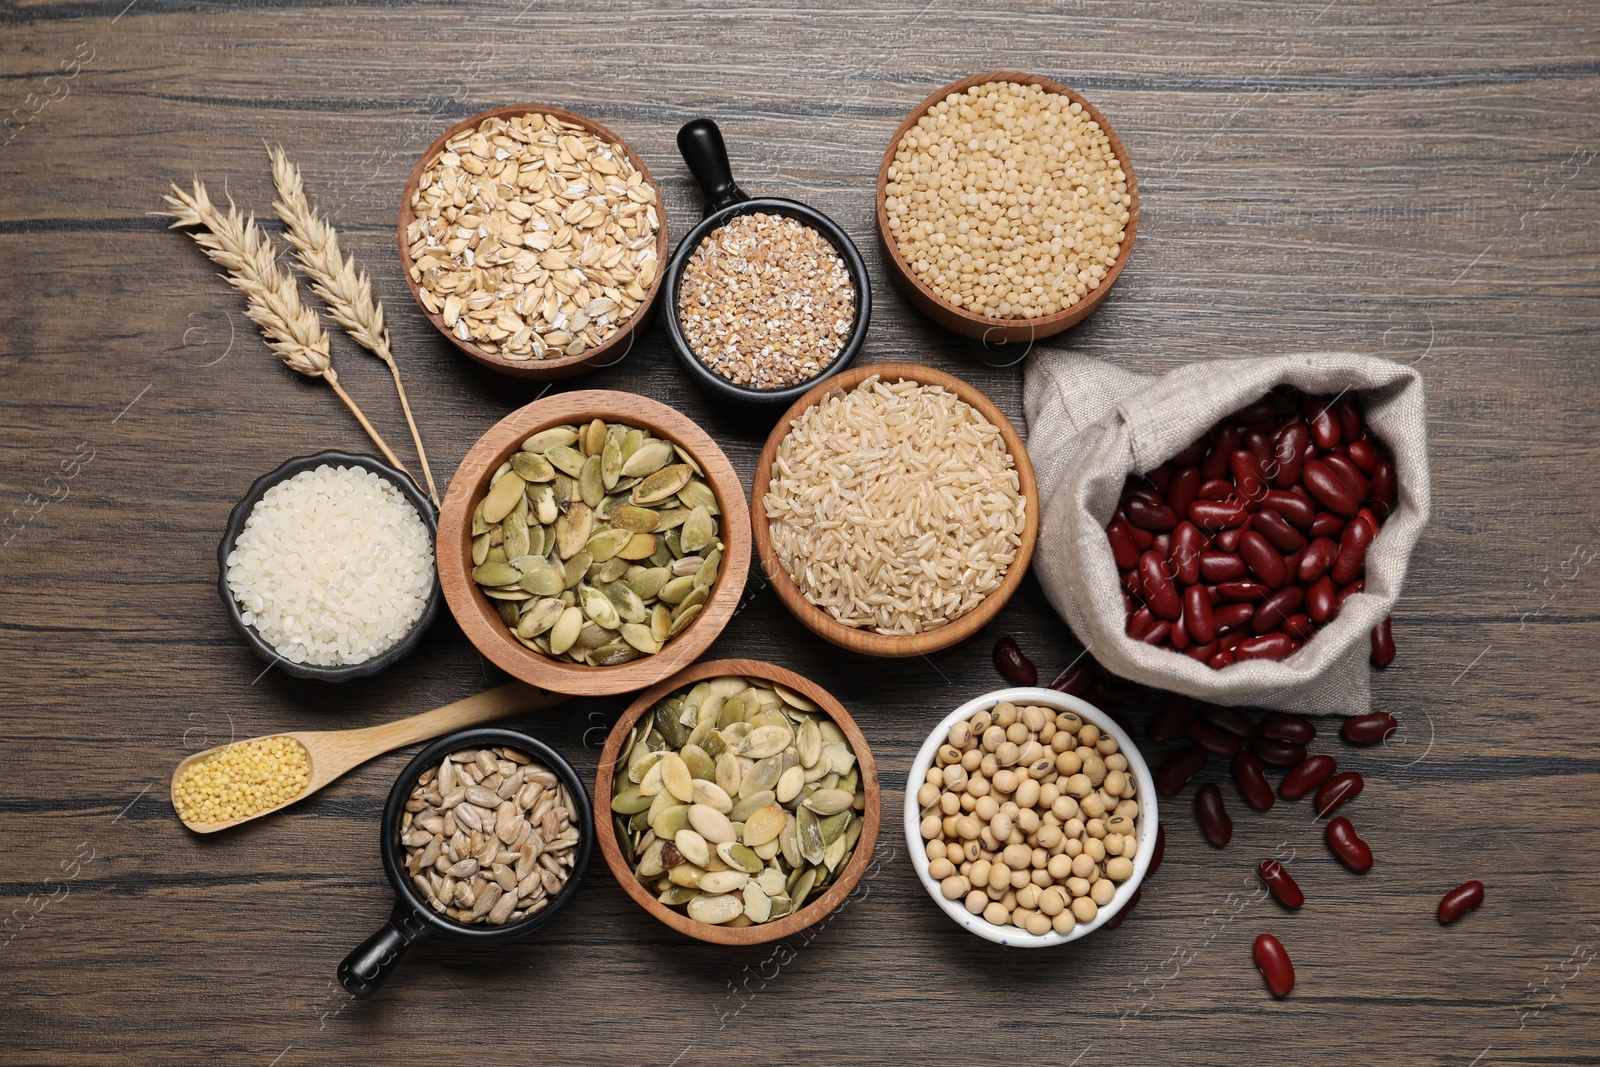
(533, 239)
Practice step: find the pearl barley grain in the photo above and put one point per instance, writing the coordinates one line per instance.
(1008, 201)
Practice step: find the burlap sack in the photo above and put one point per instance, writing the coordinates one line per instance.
(1091, 424)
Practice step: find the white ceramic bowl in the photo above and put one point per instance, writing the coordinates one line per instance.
(1144, 791)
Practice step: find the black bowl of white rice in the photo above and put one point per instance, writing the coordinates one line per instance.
(327, 568)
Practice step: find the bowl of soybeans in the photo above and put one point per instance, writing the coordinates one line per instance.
(1030, 816)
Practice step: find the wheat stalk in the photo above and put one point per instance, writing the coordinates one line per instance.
(242, 249)
(348, 293)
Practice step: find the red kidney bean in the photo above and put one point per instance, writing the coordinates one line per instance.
(1349, 415)
(1228, 540)
(1270, 524)
(1351, 850)
(1122, 913)
(1168, 721)
(1224, 439)
(1241, 592)
(1369, 729)
(1192, 455)
(1276, 751)
(1217, 514)
(1460, 900)
(1139, 623)
(1319, 556)
(1129, 581)
(1179, 767)
(1123, 550)
(1203, 652)
(1157, 851)
(1154, 517)
(1179, 636)
(1252, 783)
(1247, 477)
(1319, 599)
(1365, 515)
(1136, 489)
(1221, 660)
(1285, 888)
(1306, 776)
(1015, 667)
(1213, 741)
(1274, 964)
(1326, 524)
(1326, 487)
(1187, 544)
(1261, 411)
(1271, 646)
(1212, 816)
(1234, 638)
(1162, 543)
(1348, 473)
(1299, 627)
(1295, 510)
(1294, 445)
(1221, 566)
(1216, 489)
(1184, 490)
(1265, 563)
(1276, 609)
(1286, 727)
(1077, 679)
(1157, 586)
(1230, 617)
(1158, 634)
(1259, 444)
(1381, 489)
(1363, 455)
(1198, 617)
(1228, 720)
(1337, 790)
(1325, 428)
(1357, 586)
(1352, 557)
(1383, 643)
(1142, 539)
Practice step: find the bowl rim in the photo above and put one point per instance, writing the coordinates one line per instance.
(809, 216)
(1149, 819)
(482, 624)
(983, 326)
(289, 468)
(893, 645)
(545, 368)
(813, 912)
(400, 792)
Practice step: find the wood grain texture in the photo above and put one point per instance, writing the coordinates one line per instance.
(1407, 179)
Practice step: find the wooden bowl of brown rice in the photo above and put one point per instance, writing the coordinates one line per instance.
(894, 510)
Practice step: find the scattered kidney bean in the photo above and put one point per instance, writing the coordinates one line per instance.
(1272, 646)
(1122, 913)
(1306, 776)
(1213, 741)
(1351, 850)
(1230, 720)
(1276, 609)
(1460, 900)
(1284, 887)
(1179, 767)
(1252, 783)
(1369, 729)
(1278, 752)
(1212, 815)
(1169, 719)
(1383, 643)
(1286, 727)
(1017, 668)
(1274, 964)
(1337, 790)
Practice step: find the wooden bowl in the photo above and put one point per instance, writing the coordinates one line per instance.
(996, 330)
(820, 622)
(476, 613)
(778, 929)
(614, 347)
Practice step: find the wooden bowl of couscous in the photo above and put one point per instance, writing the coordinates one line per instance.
(1058, 225)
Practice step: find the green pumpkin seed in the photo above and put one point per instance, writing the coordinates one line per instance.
(593, 437)
(539, 618)
(697, 596)
(576, 569)
(673, 818)
(639, 546)
(629, 802)
(627, 603)
(660, 622)
(672, 518)
(567, 460)
(496, 574)
(635, 519)
(673, 539)
(503, 496)
(649, 582)
(544, 507)
(591, 487)
(480, 549)
(640, 637)
(675, 590)
(611, 459)
(829, 801)
(707, 572)
(598, 607)
(573, 529)
(516, 535)
(697, 531)
(609, 571)
(564, 634)
(508, 610)
(540, 578)
(556, 437)
(802, 886)
(751, 803)
(674, 896)
(672, 731)
(647, 458)
(606, 543)
(478, 525)
(657, 487)
(531, 467)
(697, 494)
(809, 835)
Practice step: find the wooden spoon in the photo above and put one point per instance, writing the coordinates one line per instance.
(333, 753)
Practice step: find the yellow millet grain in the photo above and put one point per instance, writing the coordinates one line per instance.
(1008, 201)
(242, 780)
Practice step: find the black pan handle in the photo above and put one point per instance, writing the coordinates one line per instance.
(365, 969)
(701, 144)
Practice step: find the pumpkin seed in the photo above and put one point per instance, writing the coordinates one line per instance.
(674, 896)
(566, 459)
(697, 494)
(565, 631)
(712, 824)
(543, 499)
(693, 846)
(647, 458)
(635, 519)
(540, 578)
(502, 497)
(672, 518)
(591, 487)
(577, 568)
(531, 467)
(657, 487)
(573, 529)
(716, 910)
(674, 591)
(697, 531)
(611, 459)
(671, 819)
(598, 607)
(801, 889)
(545, 440)
(829, 801)
(496, 574)
(723, 882)
(539, 618)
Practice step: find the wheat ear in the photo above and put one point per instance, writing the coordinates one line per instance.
(245, 252)
(348, 293)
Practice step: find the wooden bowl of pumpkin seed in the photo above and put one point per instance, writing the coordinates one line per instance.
(737, 802)
(594, 542)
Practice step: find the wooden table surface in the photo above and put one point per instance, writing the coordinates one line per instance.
(1410, 180)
